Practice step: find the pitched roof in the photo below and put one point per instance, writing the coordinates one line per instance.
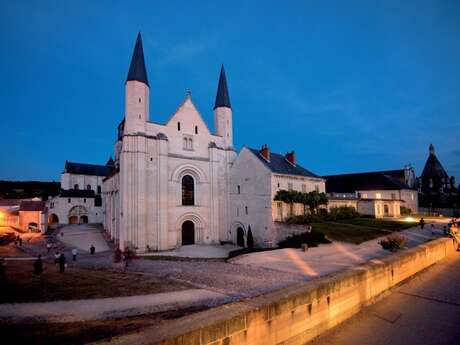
(278, 164)
(87, 169)
(30, 205)
(376, 180)
(222, 97)
(137, 69)
(433, 167)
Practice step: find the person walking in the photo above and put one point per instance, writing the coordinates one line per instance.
(20, 240)
(74, 254)
(38, 265)
(56, 257)
(92, 249)
(422, 223)
(62, 263)
(432, 228)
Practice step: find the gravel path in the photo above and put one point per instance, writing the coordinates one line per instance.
(108, 308)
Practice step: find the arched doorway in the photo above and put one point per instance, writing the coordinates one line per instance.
(188, 233)
(240, 237)
(78, 215)
(32, 226)
(53, 219)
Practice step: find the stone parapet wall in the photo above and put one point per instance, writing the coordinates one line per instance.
(296, 314)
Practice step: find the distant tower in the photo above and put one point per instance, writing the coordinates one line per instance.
(223, 111)
(136, 92)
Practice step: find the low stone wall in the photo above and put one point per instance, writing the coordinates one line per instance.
(299, 313)
(283, 230)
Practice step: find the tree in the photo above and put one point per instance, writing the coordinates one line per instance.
(315, 199)
(250, 239)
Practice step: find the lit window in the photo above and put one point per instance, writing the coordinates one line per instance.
(378, 196)
(364, 195)
(412, 196)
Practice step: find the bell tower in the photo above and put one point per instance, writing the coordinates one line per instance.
(136, 92)
(223, 111)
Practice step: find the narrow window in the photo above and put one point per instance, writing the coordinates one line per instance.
(75, 186)
(378, 196)
(278, 185)
(84, 200)
(139, 100)
(246, 210)
(317, 188)
(188, 190)
(68, 200)
(190, 144)
(185, 146)
(289, 186)
(99, 189)
(178, 126)
(196, 129)
(237, 211)
(304, 187)
(239, 189)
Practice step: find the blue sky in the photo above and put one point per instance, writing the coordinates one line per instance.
(349, 85)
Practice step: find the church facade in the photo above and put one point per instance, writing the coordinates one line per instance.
(170, 182)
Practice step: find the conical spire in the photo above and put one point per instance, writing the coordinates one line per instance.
(137, 68)
(222, 98)
(431, 149)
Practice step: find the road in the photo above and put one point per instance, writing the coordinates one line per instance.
(423, 311)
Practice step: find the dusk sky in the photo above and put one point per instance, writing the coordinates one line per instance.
(349, 85)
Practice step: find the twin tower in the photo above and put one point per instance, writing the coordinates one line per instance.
(137, 99)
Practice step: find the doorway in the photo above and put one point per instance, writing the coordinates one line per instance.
(240, 237)
(188, 233)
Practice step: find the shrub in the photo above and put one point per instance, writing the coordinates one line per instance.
(393, 243)
(405, 210)
(311, 238)
(343, 212)
(250, 239)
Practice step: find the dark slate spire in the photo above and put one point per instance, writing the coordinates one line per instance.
(431, 149)
(222, 98)
(137, 68)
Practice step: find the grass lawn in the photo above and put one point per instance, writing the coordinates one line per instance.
(73, 333)
(359, 230)
(22, 285)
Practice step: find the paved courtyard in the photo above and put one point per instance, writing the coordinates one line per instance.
(82, 236)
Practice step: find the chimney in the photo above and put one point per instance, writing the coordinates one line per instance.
(265, 152)
(290, 157)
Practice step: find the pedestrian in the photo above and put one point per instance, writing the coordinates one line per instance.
(48, 247)
(56, 257)
(38, 265)
(62, 263)
(453, 232)
(74, 254)
(92, 249)
(20, 241)
(422, 223)
(432, 228)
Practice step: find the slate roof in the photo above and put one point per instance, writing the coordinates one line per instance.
(222, 97)
(30, 205)
(77, 193)
(376, 180)
(137, 69)
(433, 168)
(87, 169)
(278, 164)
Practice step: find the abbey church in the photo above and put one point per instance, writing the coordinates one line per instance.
(170, 185)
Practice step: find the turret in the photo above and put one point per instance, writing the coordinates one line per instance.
(223, 111)
(136, 92)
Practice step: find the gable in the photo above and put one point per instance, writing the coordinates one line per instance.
(188, 117)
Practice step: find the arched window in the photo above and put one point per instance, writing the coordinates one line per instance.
(188, 190)
(75, 186)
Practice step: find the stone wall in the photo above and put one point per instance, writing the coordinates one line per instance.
(296, 314)
(283, 230)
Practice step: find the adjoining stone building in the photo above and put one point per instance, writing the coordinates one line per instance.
(437, 190)
(80, 199)
(256, 177)
(29, 215)
(379, 194)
